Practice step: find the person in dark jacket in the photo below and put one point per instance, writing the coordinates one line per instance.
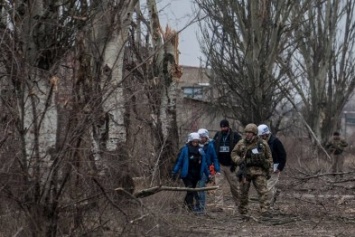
(208, 148)
(279, 161)
(191, 163)
(225, 140)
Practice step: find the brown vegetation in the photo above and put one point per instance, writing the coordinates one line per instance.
(312, 203)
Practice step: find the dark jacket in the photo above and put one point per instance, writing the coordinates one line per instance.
(229, 139)
(182, 163)
(278, 151)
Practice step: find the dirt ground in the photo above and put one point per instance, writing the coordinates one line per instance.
(312, 203)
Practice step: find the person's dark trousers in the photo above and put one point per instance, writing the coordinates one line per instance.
(189, 198)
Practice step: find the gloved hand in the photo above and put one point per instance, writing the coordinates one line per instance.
(232, 168)
(212, 170)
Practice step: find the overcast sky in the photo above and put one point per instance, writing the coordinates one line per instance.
(178, 13)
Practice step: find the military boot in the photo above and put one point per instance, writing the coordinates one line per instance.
(274, 198)
(266, 215)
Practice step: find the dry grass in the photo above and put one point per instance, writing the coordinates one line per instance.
(312, 203)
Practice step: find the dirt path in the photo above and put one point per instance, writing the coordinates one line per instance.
(314, 208)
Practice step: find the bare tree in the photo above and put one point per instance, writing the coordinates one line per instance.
(242, 41)
(36, 37)
(321, 65)
(158, 77)
(61, 71)
(64, 115)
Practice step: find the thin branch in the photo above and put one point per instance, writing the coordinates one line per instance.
(153, 190)
(107, 197)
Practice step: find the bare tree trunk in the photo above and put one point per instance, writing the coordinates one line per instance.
(168, 72)
(109, 35)
(53, 129)
(38, 115)
(324, 57)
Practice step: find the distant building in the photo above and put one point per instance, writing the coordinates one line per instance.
(195, 105)
(194, 83)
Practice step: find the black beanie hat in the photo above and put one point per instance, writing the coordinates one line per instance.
(224, 123)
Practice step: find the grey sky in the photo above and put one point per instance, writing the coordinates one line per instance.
(178, 13)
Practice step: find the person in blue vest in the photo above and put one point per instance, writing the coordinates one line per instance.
(208, 148)
(191, 163)
(279, 161)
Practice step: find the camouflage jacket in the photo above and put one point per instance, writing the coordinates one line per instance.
(246, 153)
(336, 146)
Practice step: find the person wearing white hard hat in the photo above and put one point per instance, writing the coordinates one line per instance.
(191, 163)
(279, 160)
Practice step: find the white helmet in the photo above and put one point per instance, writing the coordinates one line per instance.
(263, 129)
(203, 132)
(193, 136)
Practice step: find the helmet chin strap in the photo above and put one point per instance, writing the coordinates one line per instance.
(251, 139)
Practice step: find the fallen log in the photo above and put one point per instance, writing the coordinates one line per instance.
(153, 190)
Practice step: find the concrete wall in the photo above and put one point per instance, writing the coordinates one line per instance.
(193, 113)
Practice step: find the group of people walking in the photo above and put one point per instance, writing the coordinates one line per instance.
(258, 157)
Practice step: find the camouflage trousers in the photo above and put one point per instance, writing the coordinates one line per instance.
(260, 184)
(338, 163)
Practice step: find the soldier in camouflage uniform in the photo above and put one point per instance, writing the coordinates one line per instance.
(254, 154)
(336, 147)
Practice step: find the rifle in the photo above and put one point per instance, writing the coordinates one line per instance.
(241, 174)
